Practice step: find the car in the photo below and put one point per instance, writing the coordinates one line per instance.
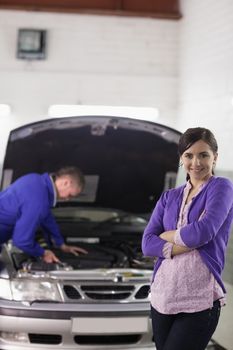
(99, 300)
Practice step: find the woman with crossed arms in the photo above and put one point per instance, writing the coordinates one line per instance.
(188, 231)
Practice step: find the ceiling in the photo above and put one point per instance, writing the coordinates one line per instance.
(140, 8)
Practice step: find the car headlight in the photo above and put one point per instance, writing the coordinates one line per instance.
(29, 290)
(5, 289)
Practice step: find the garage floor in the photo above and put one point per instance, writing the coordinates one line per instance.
(214, 346)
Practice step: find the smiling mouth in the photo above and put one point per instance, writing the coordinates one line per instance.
(197, 170)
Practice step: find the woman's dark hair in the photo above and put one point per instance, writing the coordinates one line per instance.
(72, 171)
(192, 135)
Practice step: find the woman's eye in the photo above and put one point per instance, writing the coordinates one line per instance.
(204, 155)
(189, 156)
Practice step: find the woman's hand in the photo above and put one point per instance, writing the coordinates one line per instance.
(177, 250)
(72, 249)
(168, 236)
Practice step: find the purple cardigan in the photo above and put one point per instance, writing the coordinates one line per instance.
(209, 235)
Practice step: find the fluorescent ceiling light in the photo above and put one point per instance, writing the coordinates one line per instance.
(5, 110)
(143, 113)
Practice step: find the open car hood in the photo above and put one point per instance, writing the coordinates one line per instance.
(127, 162)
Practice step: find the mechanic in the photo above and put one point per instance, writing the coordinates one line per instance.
(26, 205)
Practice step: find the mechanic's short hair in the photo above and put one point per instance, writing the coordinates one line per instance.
(73, 172)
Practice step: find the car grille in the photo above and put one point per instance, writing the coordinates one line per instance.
(113, 292)
(52, 339)
(142, 292)
(105, 292)
(55, 339)
(107, 340)
(71, 292)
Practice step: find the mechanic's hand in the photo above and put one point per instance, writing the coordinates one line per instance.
(50, 257)
(72, 249)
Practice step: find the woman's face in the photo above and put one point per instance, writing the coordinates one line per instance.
(199, 160)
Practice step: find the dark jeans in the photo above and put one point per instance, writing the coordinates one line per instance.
(185, 331)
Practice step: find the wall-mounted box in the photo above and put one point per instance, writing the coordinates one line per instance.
(31, 44)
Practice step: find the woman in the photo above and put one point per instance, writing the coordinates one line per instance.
(188, 231)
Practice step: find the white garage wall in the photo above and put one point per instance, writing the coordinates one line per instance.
(118, 61)
(206, 71)
(100, 60)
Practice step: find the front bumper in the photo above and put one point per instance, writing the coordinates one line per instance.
(74, 326)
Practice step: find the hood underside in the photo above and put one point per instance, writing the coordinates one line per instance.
(127, 163)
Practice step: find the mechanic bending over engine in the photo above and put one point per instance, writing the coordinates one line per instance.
(25, 206)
